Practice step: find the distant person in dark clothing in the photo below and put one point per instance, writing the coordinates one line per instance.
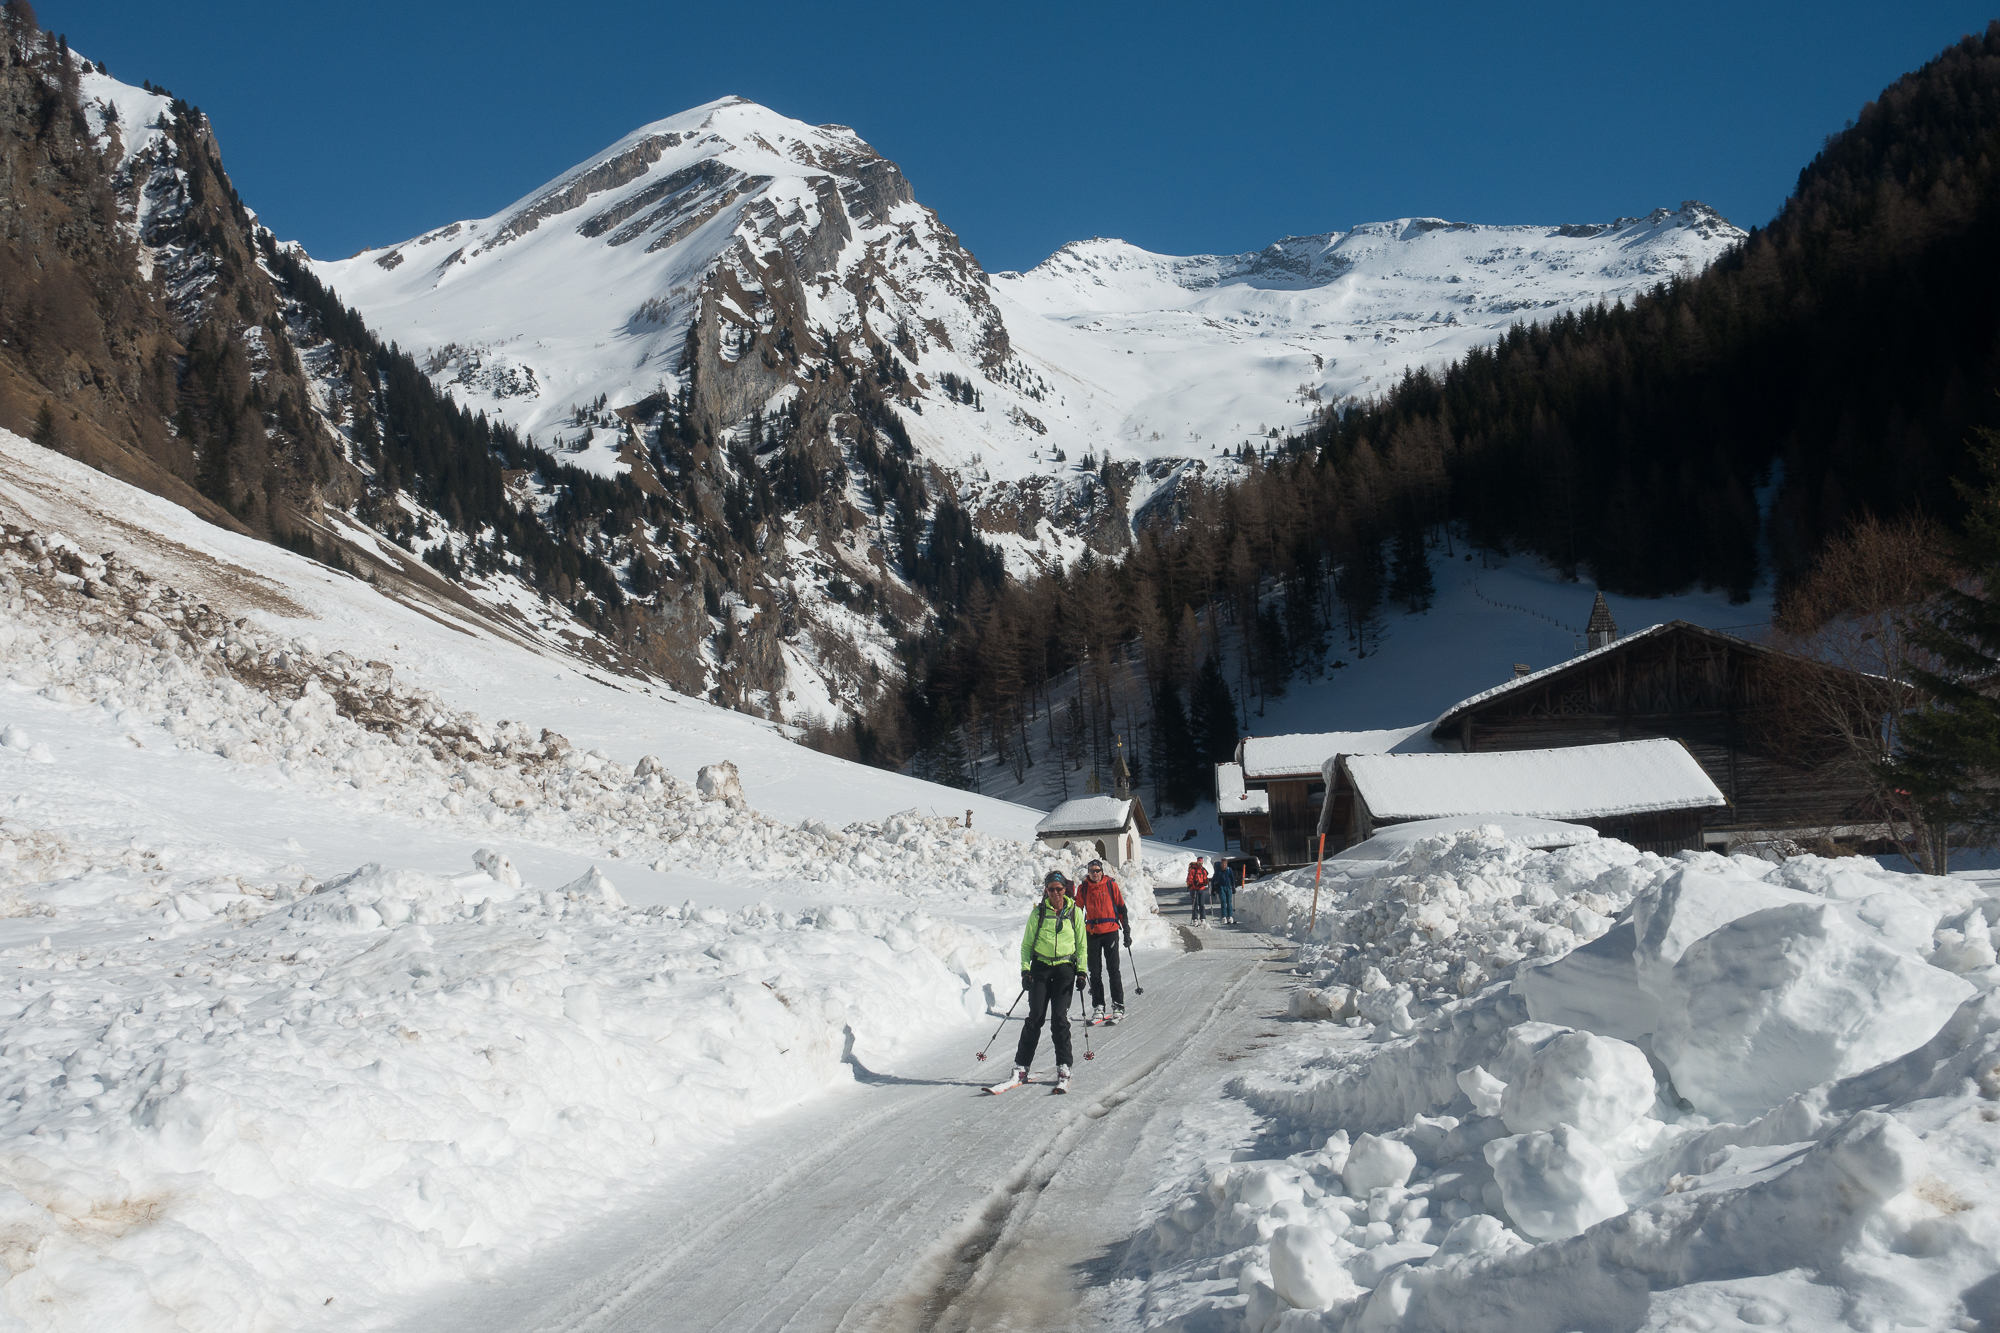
(1226, 875)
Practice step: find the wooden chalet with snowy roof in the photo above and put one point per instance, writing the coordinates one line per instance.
(1244, 812)
(1717, 696)
(1712, 692)
(1269, 799)
(1650, 793)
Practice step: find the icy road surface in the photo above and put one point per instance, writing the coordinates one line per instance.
(915, 1200)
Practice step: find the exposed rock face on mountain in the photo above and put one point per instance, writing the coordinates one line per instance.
(140, 334)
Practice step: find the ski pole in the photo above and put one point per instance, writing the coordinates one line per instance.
(1137, 989)
(1003, 1023)
(1088, 1054)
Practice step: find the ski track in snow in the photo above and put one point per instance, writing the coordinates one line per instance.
(914, 1201)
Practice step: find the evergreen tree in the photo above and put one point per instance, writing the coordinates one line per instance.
(1951, 758)
(1359, 584)
(945, 762)
(1176, 765)
(1274, 658)
(1212, 718)
(1410, 575)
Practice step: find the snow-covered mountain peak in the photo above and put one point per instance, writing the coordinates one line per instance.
(779, 285)
(727, 217)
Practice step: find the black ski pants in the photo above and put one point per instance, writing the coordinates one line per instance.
(1049, 987)
(1103, 963)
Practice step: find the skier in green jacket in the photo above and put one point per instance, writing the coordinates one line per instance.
(1053, 963)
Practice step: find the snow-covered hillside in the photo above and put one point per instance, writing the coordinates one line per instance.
(1190, 353)
(352, 947)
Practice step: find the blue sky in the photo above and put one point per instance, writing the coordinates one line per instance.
(1184, 128)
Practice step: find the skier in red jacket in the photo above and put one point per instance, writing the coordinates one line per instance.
(1197, 890)
(1104, 916)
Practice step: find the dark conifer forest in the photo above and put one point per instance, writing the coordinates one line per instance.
(1712, 433)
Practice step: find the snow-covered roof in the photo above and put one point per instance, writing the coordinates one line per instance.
(1577, 782)
(1232, 799)
(1087, 814)
(1299, 755)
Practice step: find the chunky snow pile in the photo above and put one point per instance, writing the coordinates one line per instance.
(88, 631)
(232, 1092)
(1700, 1092)
(227, 1098)
(1448, 915)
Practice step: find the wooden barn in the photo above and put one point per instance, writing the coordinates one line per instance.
(1269, 799)
(1650, 793)
(1245, 815)
(1716, 694)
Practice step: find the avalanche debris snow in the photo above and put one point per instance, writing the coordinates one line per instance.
(232, 1092)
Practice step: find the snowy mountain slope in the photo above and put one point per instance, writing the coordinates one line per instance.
(466, 661)
(1223, 348)
(744, 256)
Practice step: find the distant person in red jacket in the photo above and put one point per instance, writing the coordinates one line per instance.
(1198, 889)
(1104, 916)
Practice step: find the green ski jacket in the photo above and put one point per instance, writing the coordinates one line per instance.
(1055, 938)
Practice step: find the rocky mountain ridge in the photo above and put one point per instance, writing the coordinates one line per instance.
(724, 404)
(746, 258)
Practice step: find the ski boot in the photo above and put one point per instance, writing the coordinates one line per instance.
(1020, 1077)
(1062, 1078)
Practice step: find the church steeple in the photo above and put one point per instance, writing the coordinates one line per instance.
(1602, 629)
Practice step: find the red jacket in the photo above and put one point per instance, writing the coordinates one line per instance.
(1197, 876)
(1103, 905)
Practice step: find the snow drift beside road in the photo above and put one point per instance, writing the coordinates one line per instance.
(233, 1091)
(1605, 1089)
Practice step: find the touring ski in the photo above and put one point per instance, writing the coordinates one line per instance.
(997, 1088)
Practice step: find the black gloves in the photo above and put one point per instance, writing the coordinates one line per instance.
(1027, 979)
(1128, 937)
(1082, 980)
